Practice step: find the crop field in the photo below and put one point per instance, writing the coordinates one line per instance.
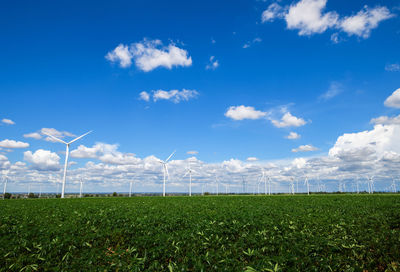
(211, 233)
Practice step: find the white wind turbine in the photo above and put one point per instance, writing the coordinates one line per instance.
(165, 168)
(370, 184)
(216, 183)
(5, 178)
(393, 185)
(66, 156)
(308, 185)
(292, 185)
(130, 188)
(81, 188)
(189, 172)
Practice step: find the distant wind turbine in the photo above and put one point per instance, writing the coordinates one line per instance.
(130, 188)
(165, 168)
(66, 156)
(5, 178)
(292, 185)
(81, 188)
(393, 185)
(308, 185)
(189, 172)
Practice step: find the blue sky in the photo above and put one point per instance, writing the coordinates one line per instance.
(329, 65)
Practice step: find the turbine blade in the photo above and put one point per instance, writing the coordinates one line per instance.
(170, 156)
(166, 169)
(80, 137)
(55, 138)
(186, 173)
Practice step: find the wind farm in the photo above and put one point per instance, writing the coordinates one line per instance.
(200, 136)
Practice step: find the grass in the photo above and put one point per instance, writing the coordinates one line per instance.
(213, 233)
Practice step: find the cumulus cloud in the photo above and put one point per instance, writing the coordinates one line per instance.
(377, 141)
(33, 135)
(393, 101)
(43, 160)
(149, 55)
(4, 162)
(213, 64)
(13, 144)
(244, 112)
(107, 153)
(8, 121)
(364, 21)
(394, 67)
(385, 120)
(293, 136)
(335, 88)
(305, 148)
(144, 96)
(174, 96)
(309, 17)
(288, 120)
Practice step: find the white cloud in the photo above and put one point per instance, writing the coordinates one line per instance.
(144, 96)
(293, 136)
(149, 55)
(192, 152)
(33, 135)
(174, 95)
(393, 101)
(364, 21)
(375, 142)
(335, 88)
(54, 132)
(4, 162)
(385, 120)
(250, 43)
(213, 64)
(299, 162)
(273, 11)
(122, 55)
(8, 121)
(288, 120)
(252, 159)
(305, 148)
(309, 17)
(43, 160)
(13, 144)
(394, 67)
(242, 112)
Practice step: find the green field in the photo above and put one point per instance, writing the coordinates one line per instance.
(212, 233)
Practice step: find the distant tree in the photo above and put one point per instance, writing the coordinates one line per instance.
(206, 193)
(115, 194)
(86, 195)
(58, 195)
(7, 196)
(31, 195)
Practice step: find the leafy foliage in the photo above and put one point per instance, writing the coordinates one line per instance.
(224, 233)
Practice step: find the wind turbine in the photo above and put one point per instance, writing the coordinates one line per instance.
(371, 184)
(189, 171)
(292, 185)
(165, 168)
(308, 185)
(66, 156)
(5, 178)
(393, 185)
(130, 188)
(216, 183)
(81, 188)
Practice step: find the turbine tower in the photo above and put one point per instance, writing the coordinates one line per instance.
(130, 188)
(189, 171)
(66, 156)
(5, 178)
(81, 188)
(308, 185)
(165, 168)
(393, 185)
